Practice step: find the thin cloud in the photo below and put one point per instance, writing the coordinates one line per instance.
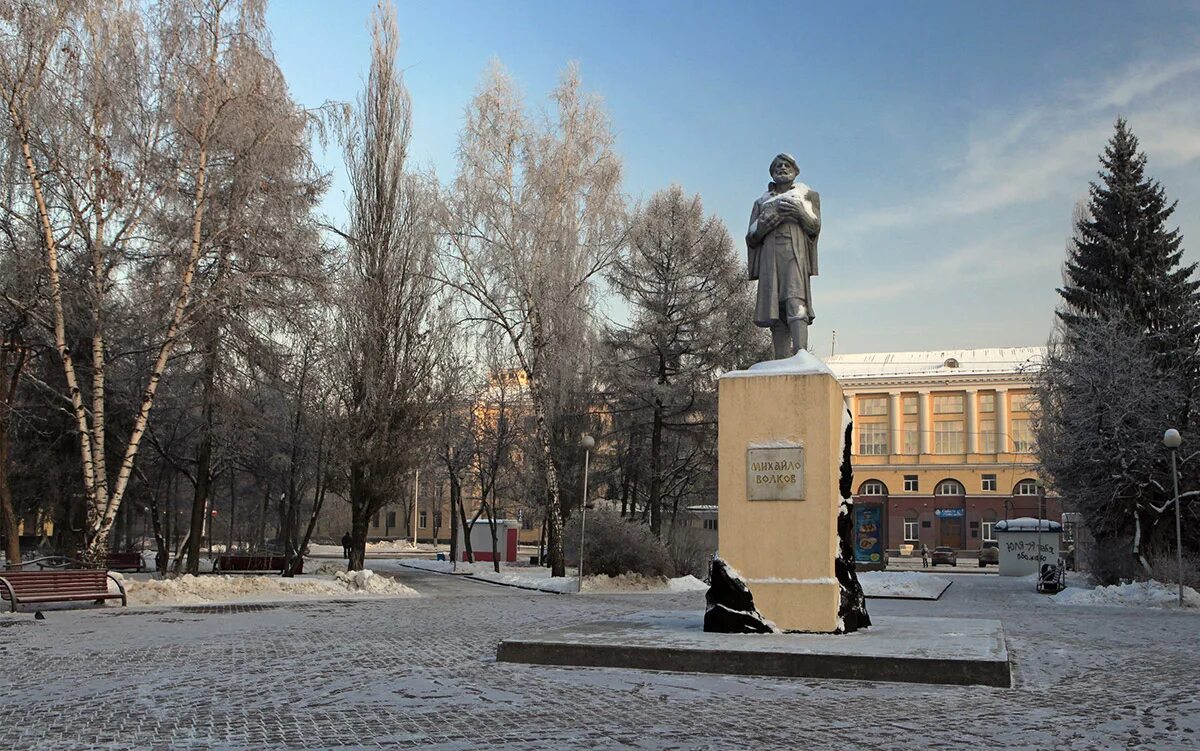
(1045, 151)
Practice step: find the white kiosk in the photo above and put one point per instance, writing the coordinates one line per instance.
(1026, 543)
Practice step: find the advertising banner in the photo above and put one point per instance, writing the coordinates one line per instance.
(868, 534)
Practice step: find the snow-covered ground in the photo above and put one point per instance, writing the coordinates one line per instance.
(902, 584)
(376, 548)
(420, 673)
(538, 577)
(146, 589)
(1148, 594)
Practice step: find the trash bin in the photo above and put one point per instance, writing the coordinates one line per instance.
(441, 556)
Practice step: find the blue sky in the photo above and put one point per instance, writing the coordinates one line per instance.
(949, 141)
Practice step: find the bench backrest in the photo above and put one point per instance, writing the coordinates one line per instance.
(70, 581)
(250, 562)
(124, 559)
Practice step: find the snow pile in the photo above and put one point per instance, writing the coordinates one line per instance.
(902, 584)
(1148, 594)
(687, 583)
(377, 547)
(538, 577)
(624, 583)
(188, 589)
(371, 583)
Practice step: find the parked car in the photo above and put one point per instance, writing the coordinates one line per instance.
(943, 554)
(989, 553)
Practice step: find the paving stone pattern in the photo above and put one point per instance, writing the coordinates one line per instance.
(421, 673)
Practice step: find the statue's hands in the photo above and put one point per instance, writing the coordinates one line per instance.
(790, 211)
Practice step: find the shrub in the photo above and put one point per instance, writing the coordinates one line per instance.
(690, 551)
(1110, 561)
(1164, 566)
(616, 546)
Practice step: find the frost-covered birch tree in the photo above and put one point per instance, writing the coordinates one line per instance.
(535, 215)
(119, 111)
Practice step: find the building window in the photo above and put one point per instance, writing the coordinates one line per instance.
(873, 439)
(987, 437)
(391, 519)
(910, 530)
(949, 487)
(710, 524)
(1021, 402)
(872, 487)
(989, 482)
(375, 520)
(527, 521)
(989, 535)
(869, 406)
(912, 441)
(951, 404)
(910, 483)
(1026, 487)
(1022, 436)
(948, 437)
(910, 404)
(437, 519)
(987, 402)
(423, 519)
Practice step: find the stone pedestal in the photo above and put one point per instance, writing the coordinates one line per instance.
(780, 435)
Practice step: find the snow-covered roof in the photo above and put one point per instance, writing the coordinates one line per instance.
(947, 362)
(1027, 524)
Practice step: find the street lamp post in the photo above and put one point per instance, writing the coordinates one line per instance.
(587, 443)
(1041, 488)
(1172, 439)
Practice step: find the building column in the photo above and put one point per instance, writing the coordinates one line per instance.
(853, 400)
(972, 421)
(1002, 428)
(924, 423)
(895, 426)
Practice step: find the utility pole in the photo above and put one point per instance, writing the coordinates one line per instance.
(416, 484)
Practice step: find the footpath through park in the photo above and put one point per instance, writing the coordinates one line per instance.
(421, 673)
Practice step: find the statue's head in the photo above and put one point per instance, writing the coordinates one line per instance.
(784, 169)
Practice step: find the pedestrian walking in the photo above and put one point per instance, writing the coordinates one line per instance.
(924, 556)
(346, 543)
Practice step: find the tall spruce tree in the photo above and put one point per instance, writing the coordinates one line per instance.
(1123, 366)
(1125, 263)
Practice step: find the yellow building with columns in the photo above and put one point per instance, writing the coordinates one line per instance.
(942, 447)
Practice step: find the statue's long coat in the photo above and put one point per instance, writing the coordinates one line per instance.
(785, 258)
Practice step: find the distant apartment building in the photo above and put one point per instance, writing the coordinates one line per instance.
(942, 443)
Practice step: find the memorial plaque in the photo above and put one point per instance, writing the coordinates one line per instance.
(775, 473)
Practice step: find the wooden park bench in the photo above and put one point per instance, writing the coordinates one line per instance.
(244, 564)
(125, 562)
(112, 562)
(60, 585)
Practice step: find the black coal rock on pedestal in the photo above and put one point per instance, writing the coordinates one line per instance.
(730, 605)
(852, 608)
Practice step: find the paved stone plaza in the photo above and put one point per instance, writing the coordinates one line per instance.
(421, 673)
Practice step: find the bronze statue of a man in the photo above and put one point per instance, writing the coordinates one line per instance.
(781, 247)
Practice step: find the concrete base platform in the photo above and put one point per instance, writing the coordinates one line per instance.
(958, 651)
